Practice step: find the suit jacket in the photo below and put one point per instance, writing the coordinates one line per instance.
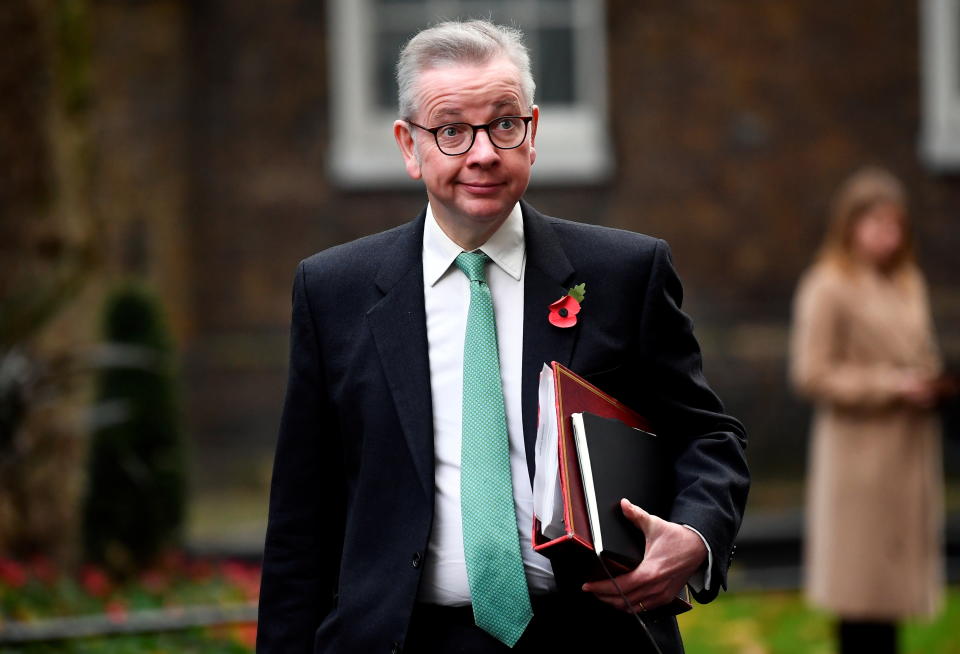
(352, 495)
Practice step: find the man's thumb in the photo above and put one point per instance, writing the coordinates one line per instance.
(636, 515)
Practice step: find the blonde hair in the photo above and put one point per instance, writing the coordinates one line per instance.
(863, 191)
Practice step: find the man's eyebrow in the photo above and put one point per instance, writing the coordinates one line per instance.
(510, 102)
(445, 112)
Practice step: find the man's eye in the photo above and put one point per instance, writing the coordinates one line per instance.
(506, 124)
(450, 131)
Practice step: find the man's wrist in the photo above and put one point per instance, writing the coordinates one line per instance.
(700, 580)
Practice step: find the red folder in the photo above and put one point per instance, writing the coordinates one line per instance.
(574, 550)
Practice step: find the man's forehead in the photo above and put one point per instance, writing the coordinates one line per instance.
(452, 87)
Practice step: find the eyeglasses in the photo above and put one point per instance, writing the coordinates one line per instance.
(505, 132)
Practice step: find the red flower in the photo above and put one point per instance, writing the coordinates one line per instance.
(12, 573)
(116, 611)
(244, 577)
(95, 581)
(563, 312)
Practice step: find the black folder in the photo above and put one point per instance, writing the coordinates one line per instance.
(618, 461)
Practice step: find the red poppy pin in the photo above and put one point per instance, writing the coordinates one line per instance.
(563, 312)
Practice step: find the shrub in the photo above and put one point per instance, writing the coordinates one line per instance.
(134, 507)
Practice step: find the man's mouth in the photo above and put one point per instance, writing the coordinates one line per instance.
(482, 188)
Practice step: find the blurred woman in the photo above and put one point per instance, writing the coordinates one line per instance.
(863, 350)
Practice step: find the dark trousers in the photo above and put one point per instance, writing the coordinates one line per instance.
(561, 623)
(864, 636)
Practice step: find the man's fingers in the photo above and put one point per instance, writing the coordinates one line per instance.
(628, 582)
(641, 599)
(606, 592)
(631, 588)
(604, 587)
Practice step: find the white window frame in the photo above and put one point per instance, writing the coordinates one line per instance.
(940, 75)
(573, 143)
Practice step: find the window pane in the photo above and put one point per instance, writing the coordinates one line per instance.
(503, 13)
(554, 13)
(554, 66)
(549, 36)
(388, 46)
(494, 9)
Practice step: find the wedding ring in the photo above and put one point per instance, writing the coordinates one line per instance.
(641, 606)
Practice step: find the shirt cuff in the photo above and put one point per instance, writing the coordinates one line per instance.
(700, 580)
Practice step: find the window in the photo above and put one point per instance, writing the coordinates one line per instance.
(940, 29)
(567, 45)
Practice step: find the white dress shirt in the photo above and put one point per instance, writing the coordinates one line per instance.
(447, 297)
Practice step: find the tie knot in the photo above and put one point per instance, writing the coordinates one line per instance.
(472, 265)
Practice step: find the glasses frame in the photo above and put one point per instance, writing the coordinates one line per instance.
(473, 137)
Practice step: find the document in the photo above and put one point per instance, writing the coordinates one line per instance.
(547, 497)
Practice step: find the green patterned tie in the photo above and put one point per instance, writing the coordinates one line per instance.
(491, 544)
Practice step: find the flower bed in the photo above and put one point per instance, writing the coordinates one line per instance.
(36, 599)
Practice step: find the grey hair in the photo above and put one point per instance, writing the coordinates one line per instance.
(474, 41)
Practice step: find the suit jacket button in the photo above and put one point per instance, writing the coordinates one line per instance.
(416, 560)
(395, 649)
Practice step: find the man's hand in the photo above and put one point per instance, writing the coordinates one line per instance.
(672, 554)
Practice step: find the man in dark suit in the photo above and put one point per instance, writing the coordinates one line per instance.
(411, 409)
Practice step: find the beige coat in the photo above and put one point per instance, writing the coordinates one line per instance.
(874, 496)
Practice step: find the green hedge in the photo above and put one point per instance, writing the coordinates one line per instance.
(135, 504)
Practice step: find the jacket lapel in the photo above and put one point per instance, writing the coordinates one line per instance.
(398, 324)
(547, 278)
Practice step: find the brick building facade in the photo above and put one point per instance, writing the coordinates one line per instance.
(731, 124)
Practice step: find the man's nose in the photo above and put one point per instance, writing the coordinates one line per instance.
(483, 150)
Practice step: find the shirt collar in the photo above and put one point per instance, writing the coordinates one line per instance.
(505, 247)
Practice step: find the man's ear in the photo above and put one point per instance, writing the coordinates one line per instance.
(401, 132)
(533, 133)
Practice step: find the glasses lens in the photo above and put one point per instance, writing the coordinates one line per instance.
(508, 131)
(454, 138)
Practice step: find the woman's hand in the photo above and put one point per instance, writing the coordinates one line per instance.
(918, 390)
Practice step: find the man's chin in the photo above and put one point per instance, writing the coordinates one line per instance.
(482, 215)
(486, 209)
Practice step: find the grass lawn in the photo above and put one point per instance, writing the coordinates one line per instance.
(780, 623)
